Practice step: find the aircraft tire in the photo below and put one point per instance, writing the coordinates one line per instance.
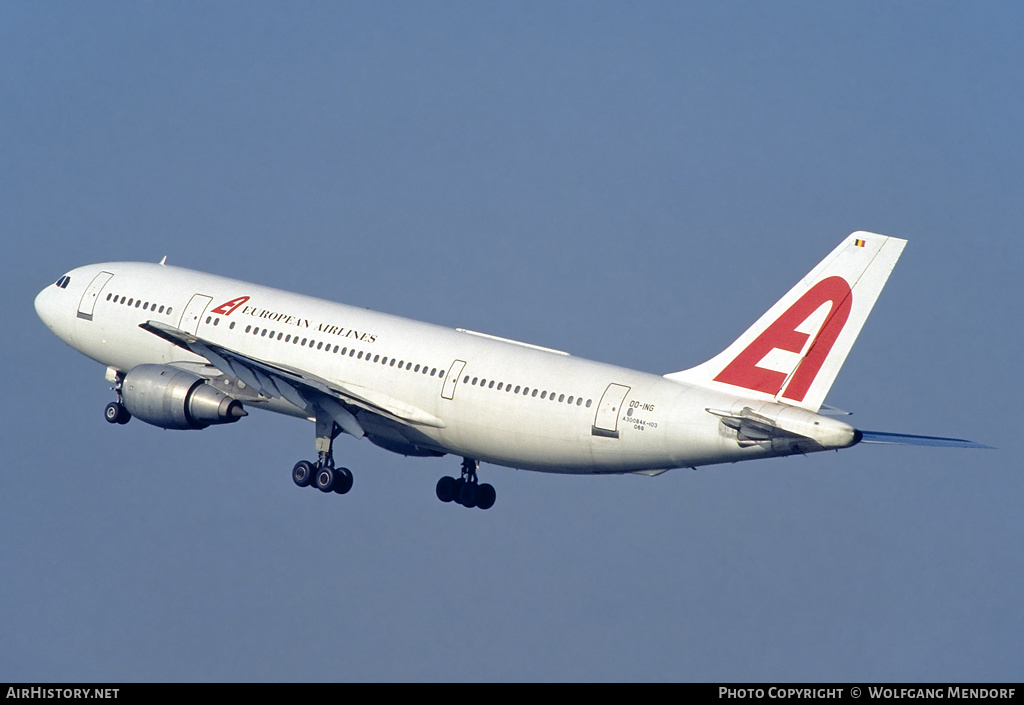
(302, 473)
(485, 496)
(324, 479)
(342, 480)
(446, 489)
(116, 413)
(468, 495)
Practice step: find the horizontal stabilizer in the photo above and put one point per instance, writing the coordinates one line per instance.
(904, 439)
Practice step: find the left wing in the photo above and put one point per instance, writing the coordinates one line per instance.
(299, 387)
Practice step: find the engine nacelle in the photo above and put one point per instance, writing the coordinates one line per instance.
(171, 398)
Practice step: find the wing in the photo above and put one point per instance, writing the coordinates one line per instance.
(301, 388)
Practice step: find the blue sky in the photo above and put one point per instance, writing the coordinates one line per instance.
(633, 183)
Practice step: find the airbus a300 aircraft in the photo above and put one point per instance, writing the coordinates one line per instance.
(186, 350)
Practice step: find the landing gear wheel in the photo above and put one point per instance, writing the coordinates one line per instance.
(342, 480)
(302, 473)
(116, 413)
(446, 489)
(324, 479)
(485, 496)
(467, 495)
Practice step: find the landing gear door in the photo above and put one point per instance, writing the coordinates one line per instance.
(452, 379)
(88, 303)
(193, 313)
(607, 418)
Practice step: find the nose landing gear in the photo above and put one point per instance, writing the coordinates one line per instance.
(115, 411)
(466, 491)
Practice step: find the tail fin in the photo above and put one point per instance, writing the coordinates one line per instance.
(793, 353)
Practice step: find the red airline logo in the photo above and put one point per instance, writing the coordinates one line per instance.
(225, 309)
(782, 334)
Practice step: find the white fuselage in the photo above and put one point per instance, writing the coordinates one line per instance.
(496, 401)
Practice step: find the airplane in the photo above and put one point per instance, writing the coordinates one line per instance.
(188, 350)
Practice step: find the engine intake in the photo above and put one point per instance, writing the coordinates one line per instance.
(171, 398)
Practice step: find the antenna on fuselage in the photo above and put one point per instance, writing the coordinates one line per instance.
(163, 261)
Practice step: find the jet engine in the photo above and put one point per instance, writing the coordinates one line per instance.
(171, 398)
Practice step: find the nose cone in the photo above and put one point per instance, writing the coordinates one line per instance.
(55, 306)
(46, 306)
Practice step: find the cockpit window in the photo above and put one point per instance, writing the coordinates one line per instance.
(63, 282)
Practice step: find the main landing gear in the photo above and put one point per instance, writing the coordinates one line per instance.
(322, 474)
(466, 490)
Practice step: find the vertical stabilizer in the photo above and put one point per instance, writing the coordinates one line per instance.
(793, 353)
